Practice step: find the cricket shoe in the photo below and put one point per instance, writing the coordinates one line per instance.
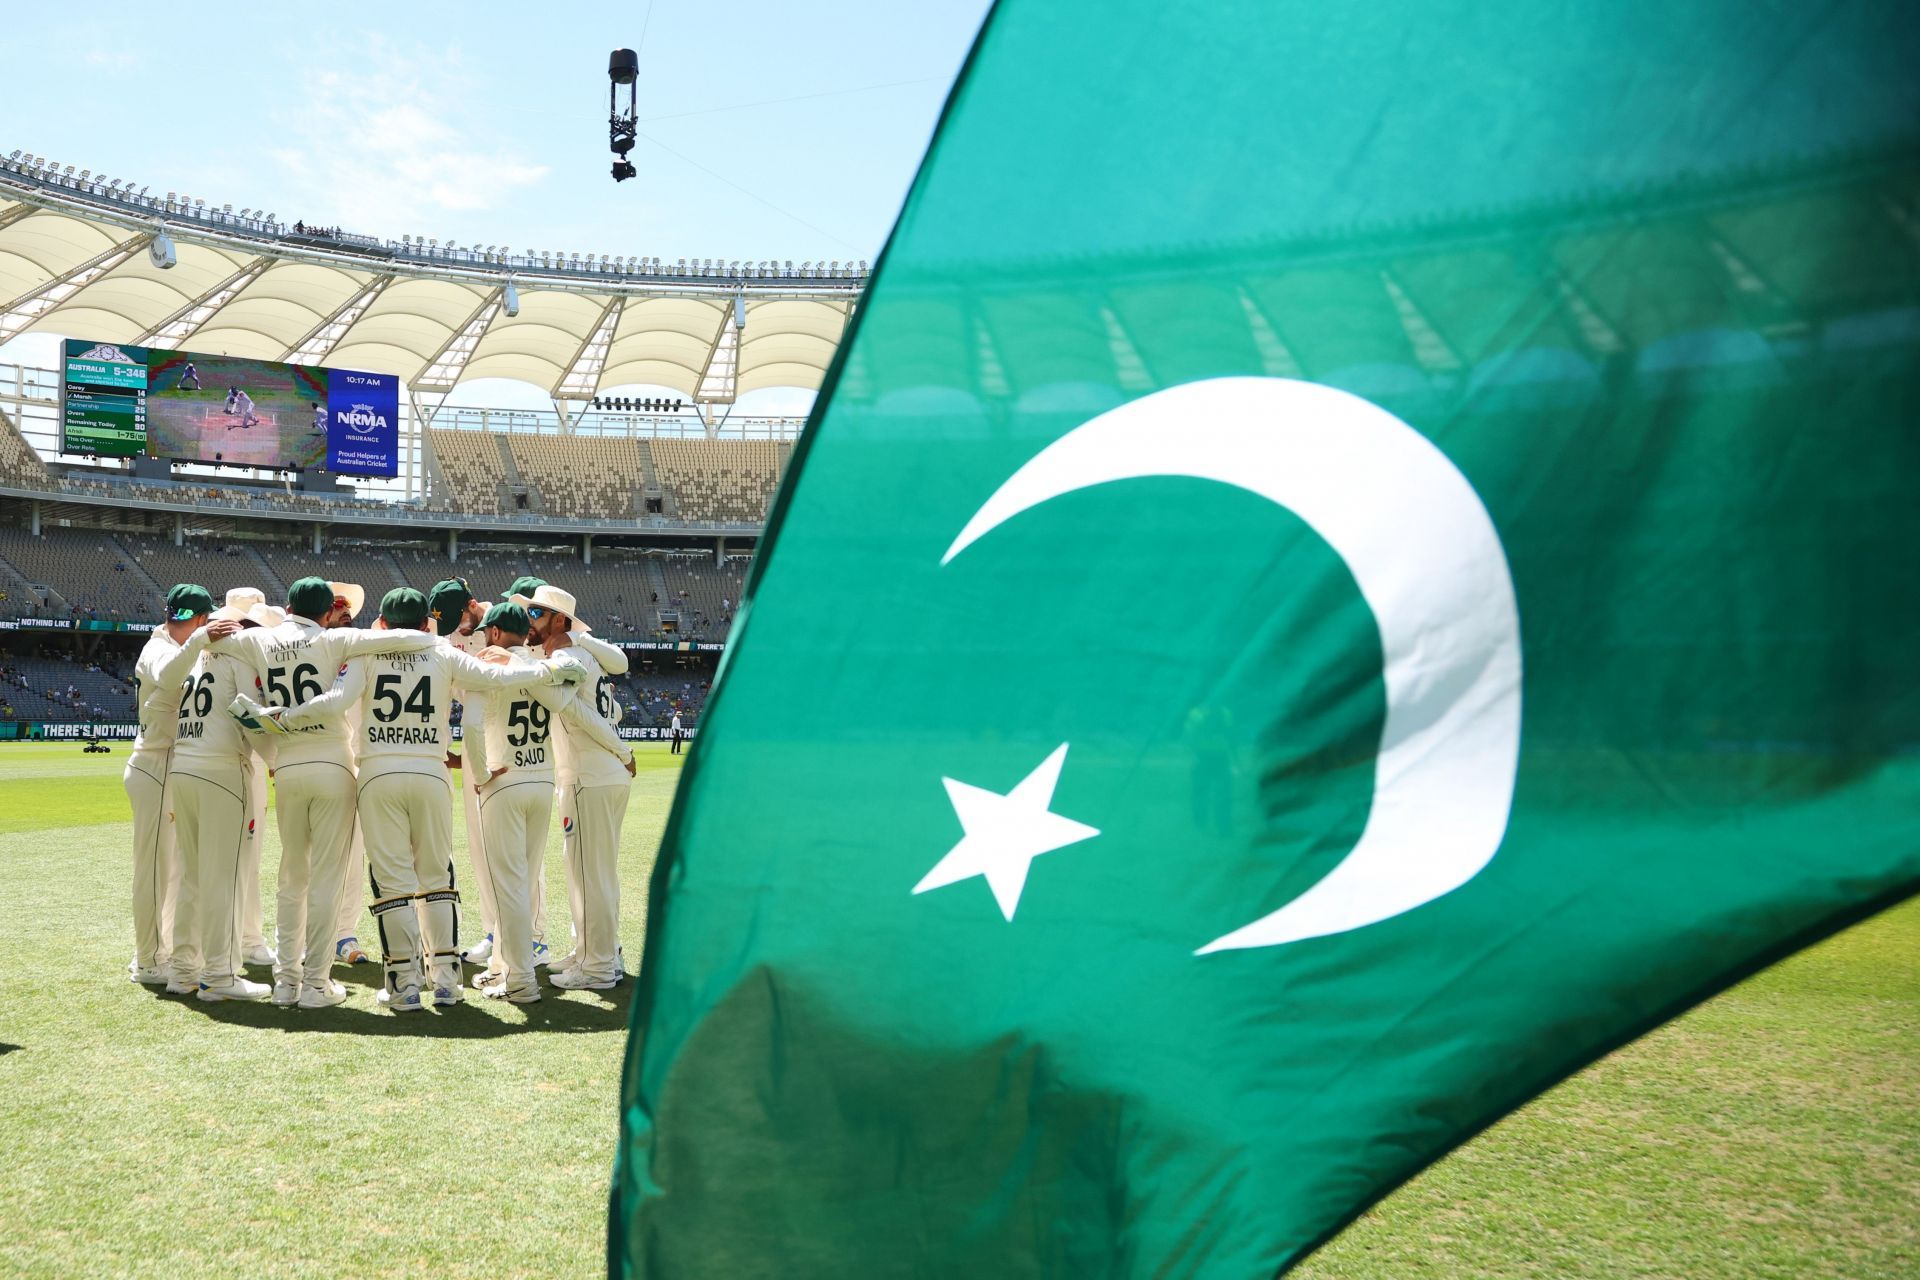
(153, 977)
(178, 986)
(405, 1000)
(238, 989)
(574, 980)
(541, 955)
(259, 954)
(480, 952)
(512, 995)
(449, 993)
(347, 951)
(488, 977)
(312, 997)
(285, 992)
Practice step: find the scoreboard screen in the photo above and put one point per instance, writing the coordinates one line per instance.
(119, 401)
(104, 408)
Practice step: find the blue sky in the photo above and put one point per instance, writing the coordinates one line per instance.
(770, 130)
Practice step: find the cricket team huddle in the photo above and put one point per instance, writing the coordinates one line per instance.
(353, 726)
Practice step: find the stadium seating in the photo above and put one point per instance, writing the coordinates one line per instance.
(85, 569)
(473, 472)
(704, 596)
(19, 464)
(727, 480)
(372, 568)
(37, 688)
(215, 565)
(584, 477)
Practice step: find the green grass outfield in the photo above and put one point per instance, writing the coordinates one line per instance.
(1772, 1133)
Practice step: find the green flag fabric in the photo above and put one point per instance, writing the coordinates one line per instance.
(1357, 557)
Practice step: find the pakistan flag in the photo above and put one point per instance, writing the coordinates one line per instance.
(1355, 558)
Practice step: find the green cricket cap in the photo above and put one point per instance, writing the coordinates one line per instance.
(509, 617)
(525, 586)
(188, 600)
(311, 598)
(404, 607)
(446, 600)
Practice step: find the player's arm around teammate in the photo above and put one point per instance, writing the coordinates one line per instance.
(164, 661)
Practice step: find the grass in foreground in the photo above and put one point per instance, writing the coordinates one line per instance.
(1773, 1132)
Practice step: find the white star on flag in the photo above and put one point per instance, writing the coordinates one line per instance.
(1004, 834)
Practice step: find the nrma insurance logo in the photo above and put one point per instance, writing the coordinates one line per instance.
(362, 419)
(108, 352)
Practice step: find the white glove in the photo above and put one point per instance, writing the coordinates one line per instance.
(566, 672)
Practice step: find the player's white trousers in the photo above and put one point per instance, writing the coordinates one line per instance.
(315, 800)
(251, 917)
(514, 816)
(592, 844)
(156, 858)
(406, 819)
(477, 855)
(353, 888)
(210, 826)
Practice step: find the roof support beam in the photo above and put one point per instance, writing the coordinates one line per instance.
(325, 336)
(41, 299)
(582, 377)
(444, 370)
(185, 322)
(16, 213)
(720, 380)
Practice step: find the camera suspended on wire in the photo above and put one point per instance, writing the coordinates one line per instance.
(623, 68)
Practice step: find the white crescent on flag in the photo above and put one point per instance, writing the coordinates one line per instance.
(1429, 564)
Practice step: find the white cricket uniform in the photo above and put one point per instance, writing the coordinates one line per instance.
(516, 806)
(405, 815)
(594, 788)
(354, 874)
(315, 794)
(473, 733)
(612, 661)
(252, 933)
(158, 674)
(243, 405)
(211, 774)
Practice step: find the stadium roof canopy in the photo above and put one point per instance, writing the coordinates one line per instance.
(78, 255)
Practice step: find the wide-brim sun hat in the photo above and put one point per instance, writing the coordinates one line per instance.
(548, 596)
(353, 593)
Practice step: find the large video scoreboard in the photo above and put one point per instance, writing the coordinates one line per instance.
(105, 401)
(119, 401)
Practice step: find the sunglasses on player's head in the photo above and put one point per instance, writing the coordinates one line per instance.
(537, 612)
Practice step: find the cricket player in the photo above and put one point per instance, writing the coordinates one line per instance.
(211, 777)
(679, 734)
(349, 599)
(456, 617)
(511, 770)
(190, 374)
(241, 404)
(253, 942)
(319, 419)
(164, 661)
(405, 813)
(293, 666)
(613, 661)
(594, 787)
(233, 397)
